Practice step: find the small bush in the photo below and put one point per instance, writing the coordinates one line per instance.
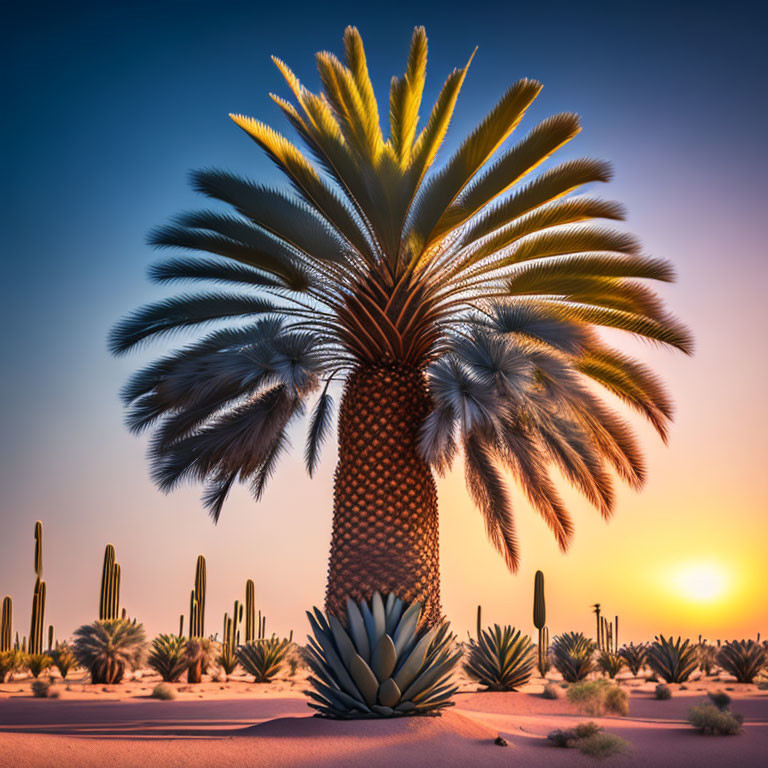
(663, 692)
(610, 663)
(708, 719)
(567, 737)
(64, 659)
(602, 745)
(598, 697)
(552, 691)
(634, 657)
(164, 692)
(10, 662)
(40, 688)
(37, 663)
(720, 699)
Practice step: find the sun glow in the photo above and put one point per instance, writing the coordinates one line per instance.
(702, 582)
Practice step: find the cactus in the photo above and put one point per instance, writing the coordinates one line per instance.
(181, 625)
(197, 602)
(539, 621)
(596, 609)
(250, 613)
(109, 599)
(479, 627)
(383, 663)
(51, 644)
(7, 624)
(38, 597)
(501, 659)
(227, 659)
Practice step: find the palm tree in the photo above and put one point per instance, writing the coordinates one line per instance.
(457, 306)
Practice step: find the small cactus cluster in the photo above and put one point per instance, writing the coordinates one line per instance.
(607, 632)
(197, 601)
(109, 599)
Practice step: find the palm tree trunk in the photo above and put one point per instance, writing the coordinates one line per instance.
(385, 521)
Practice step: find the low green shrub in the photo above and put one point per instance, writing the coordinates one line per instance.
(599, 697)
(663, 692)
(163, 691)
(602, 745)
(37, 663)
(720, 699)
(40, 688)
(553, 691)
(708, 719)
(567, 737)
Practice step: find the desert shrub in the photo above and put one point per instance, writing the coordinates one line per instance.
(634, 657)
(168, 657)
(37, 663)
(567, 737)
(40, 688)
(263, 658)
(502, 659)
(163, 691)
(707, 655)
(598, 697)
(674, 661)
(663, 692)
(743, 659)
(107, 648)
(707, 718)
(64, 659)
(720, 699)
(610, 663)
(552, 691)
(602, 745)
(10, 662)
(201, 654)
(572, 656)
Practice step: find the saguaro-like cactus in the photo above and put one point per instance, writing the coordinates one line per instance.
(51, 644)
(540, 621)
(250, 612)
(109, 599)
(7, 624)
(38, 596)
(599, 638)
(197, 601)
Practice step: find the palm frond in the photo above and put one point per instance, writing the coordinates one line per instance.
(319, 427)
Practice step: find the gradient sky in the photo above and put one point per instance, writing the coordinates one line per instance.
(106, 106)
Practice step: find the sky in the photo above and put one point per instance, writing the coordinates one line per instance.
(105, 109)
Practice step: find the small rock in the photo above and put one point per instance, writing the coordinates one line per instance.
(500, 741)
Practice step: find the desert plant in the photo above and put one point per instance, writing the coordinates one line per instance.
(64, 659)
(37, 620)
(567, 737)
(10, 662)
(227, 659)
(384, 663)
(168, 657)
(40, 688)
(598, 697)
(540, 621)
(263, 658)
(634, 657)
(106, 648)
(501, 659)
(707, 655)
(6, 627)
(709, 719)
(553, 691)
(163, 691)
(602, 744)
(197, 603)
(743, 659)
(572, 655)
(200, 653)
(37, 663)
(610, 663)
(673, 660)
(720, 699)
(109, 599)
(371, 273)
(662, 692)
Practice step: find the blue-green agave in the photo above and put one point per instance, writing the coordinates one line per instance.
(501, 659)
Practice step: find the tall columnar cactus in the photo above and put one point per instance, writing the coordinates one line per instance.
(599, 638)
(51, 644)
(540, 621)
(197, 602)
(7, 624)
(479, 620)
(38, 596)
(109, 600)
(250, 613)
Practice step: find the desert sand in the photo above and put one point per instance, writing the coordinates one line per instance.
(239, 723)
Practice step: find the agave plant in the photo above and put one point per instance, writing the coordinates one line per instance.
(168, 657)
(457, 306)
(37, 663)
(502, 659)
(610, 663)
(673, 660)
(384, 663)
(634, 657)
(10, 662)
(64, 659)
(743, 659)
(227, 659)
(106, 648)
(572, 656)
(263, 658)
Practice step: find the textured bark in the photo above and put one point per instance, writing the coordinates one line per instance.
(385, 521)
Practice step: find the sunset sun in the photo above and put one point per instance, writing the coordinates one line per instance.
(701, 582)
